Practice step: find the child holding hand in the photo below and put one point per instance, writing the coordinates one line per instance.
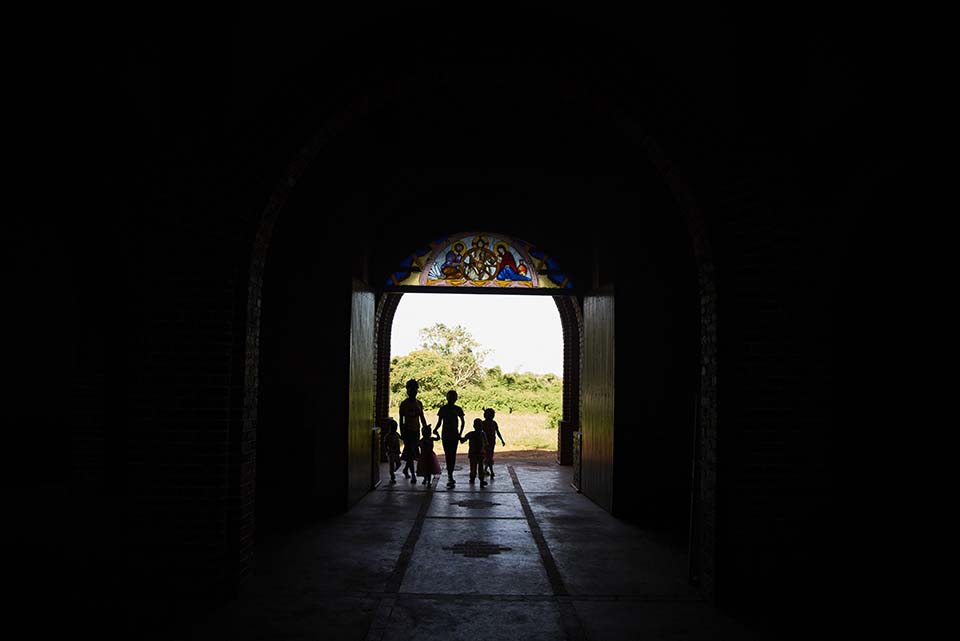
(428, 464)
(391, 445)
(491, 431)
(478, 444)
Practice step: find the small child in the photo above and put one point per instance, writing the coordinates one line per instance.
(478, 443)
(428, 464)
(391, 445)
(491, 431)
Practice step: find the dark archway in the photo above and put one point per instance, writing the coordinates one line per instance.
(704, 497)
(175, 276)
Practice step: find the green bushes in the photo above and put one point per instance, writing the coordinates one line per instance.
(440, 366)
(526, 393)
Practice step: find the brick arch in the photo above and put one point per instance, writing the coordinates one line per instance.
(386, 311)
(243, 433)
(704, 499)
(571, 323)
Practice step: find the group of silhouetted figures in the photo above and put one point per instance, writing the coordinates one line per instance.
(417, 455)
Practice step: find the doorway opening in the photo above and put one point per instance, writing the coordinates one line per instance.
(498, 351)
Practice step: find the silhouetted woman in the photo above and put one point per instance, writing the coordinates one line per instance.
(411, 420)
(448, 416)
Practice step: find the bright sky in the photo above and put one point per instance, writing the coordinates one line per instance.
(522, 332)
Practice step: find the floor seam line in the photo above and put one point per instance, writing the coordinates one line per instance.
(570, 621)
(380, 622)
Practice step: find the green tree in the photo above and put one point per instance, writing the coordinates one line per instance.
(460, 349)
(452, 359)
(430, 369)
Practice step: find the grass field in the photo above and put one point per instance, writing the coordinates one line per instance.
(520, 431)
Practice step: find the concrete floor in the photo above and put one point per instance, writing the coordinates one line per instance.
(524, 558)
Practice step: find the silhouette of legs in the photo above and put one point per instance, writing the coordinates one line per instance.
(477, 467)
(450, 452)
(394, 466)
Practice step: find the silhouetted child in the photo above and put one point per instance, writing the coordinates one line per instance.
(428, 464)
(411, 418)
(491, 431)
(478, 443)
(391, 445)
(448, 417)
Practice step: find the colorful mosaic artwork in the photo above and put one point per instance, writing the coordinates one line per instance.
(479, 259)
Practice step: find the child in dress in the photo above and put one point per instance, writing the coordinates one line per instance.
(428, 464)
(491, 431)
(391, 445)
(478, 444)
